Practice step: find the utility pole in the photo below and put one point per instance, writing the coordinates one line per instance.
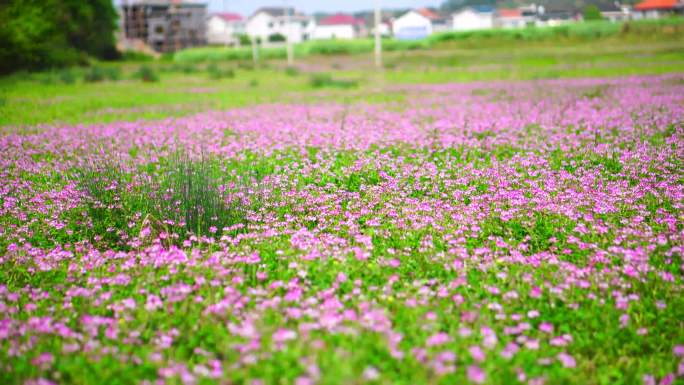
(378, 40)
(255, 51)
(225, 24)
(288, 40)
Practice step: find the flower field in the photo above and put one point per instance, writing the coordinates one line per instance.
(488, 232)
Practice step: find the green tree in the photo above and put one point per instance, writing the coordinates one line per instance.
(37, 34)
(276, 38)
(592, 12)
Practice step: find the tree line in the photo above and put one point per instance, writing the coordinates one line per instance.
(39, 34)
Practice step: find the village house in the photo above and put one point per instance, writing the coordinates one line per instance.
(473, 18)
(440, 22)
(520, 17)
(164, 25)
(654, 9)
(225, 29)
(419, 23)
(385, 28)
(339, 26)
(274, 24)
(558, 14)
(615, 12)
(508, 18)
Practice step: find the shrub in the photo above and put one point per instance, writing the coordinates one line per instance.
(188, 69)
(322, 79)
(136, 56)
(592, 12)
(244, 39)
(146, 74)
(46, 78)
(94, 74)
(277, 38)
(292, 71)
(216, 72)
(97, 74)
(67, 76)
(112, 73)
(246, 65)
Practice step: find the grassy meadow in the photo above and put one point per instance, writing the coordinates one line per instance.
(184, 86)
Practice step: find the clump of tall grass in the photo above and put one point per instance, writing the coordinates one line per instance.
(291, 71)
(180, 196)
(136, 56)
(67, 76)
(322, 79)
(146, 74)
(216, 72)
(97, 74)
(246, 65)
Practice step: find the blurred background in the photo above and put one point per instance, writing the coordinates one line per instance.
(197, 55)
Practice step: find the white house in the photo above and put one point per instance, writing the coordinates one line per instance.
(615, 12)
(385, 28)
(557, 14)
(269, 23)
(509, 18)
(654, 9)
(339, 26)
(472, 18)
(225, 28)
(415, 24)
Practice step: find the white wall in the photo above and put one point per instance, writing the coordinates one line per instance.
(220, 31)
(510, 22)
(385, 30)
(257, 26)
(263, 25)
(468, 19)
(342, 31)
(412, 23)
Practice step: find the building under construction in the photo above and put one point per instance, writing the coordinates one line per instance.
(164, 25)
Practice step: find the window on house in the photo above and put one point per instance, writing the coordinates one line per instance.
(159, 29)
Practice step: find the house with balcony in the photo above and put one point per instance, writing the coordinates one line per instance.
(273, 25)
(164, 25)
(473, 18)
(655, 9)
(339, 26)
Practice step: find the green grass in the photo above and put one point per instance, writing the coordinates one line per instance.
(653, 30)
(641, 30)
(187, 86)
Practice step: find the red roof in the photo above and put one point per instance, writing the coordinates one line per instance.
(229, 16)
(340, 19)
(430, 14)
(507, 12)
(655, 4)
